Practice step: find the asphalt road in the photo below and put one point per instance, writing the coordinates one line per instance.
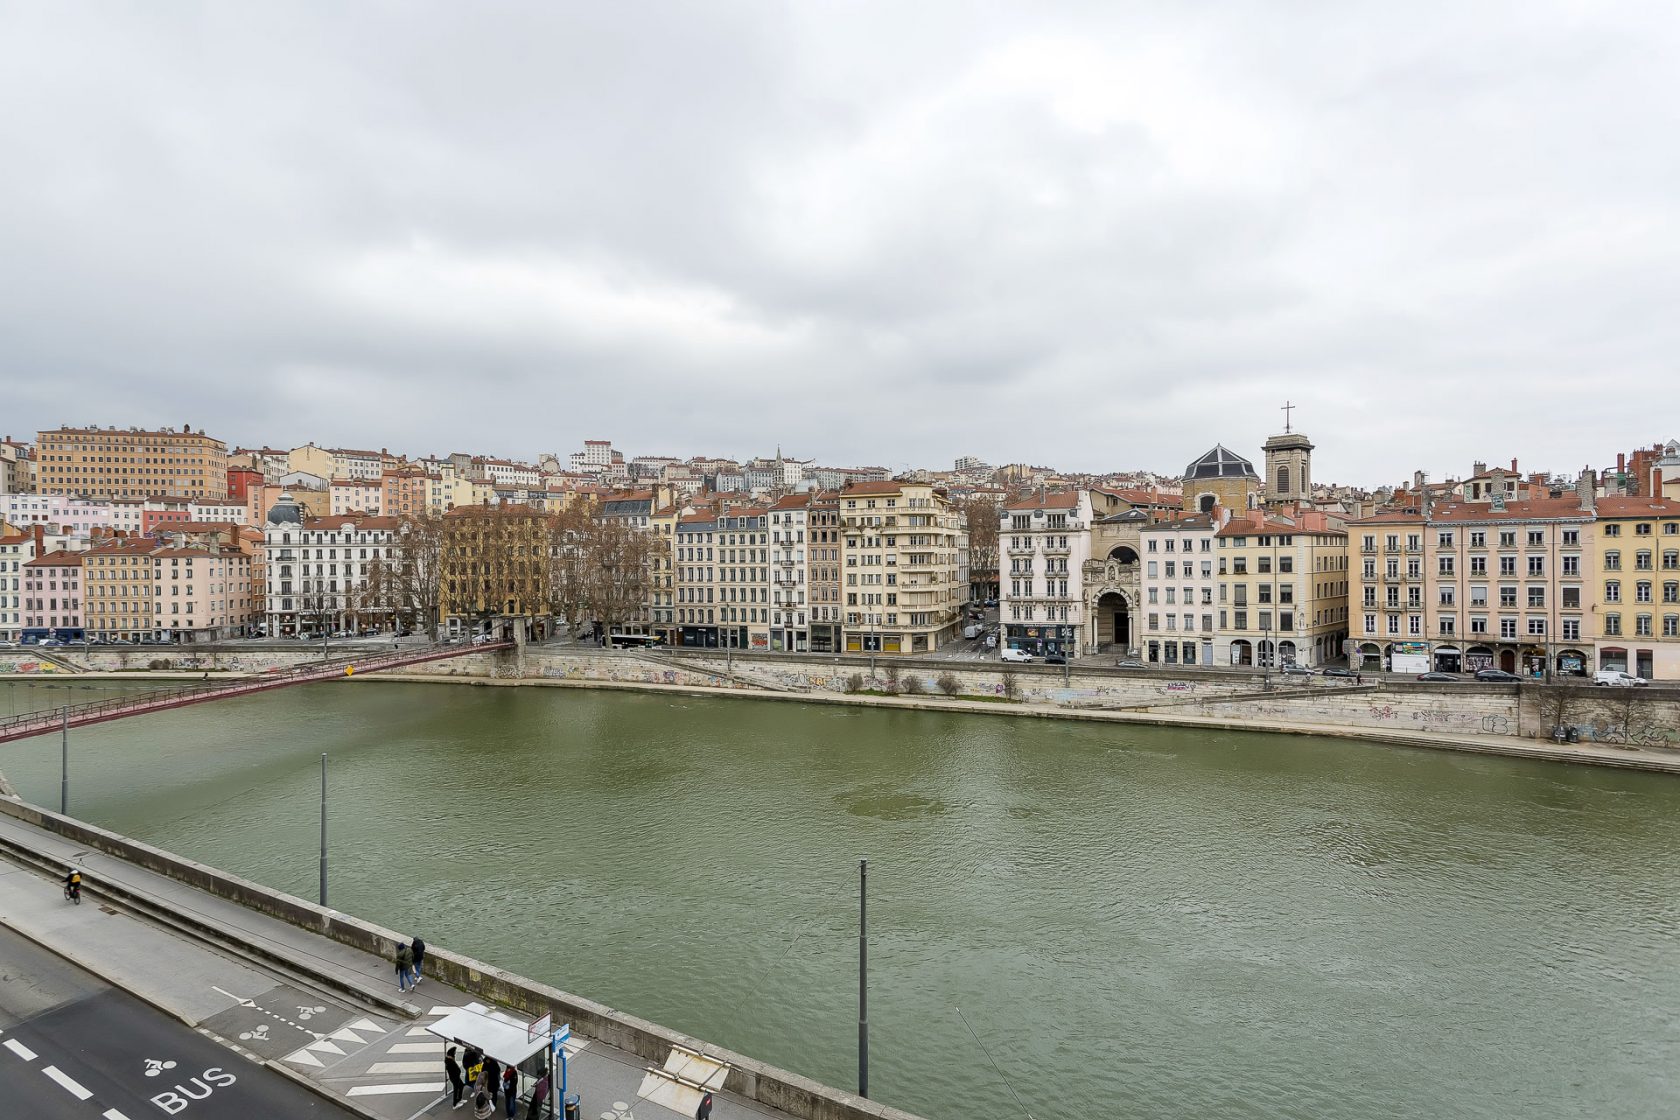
(73, 1048)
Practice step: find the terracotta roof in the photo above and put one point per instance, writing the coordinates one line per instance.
(59, 559)
(358, 520)
(1528, 510)
(1637, 507)
(1053, 499)
(1390, 517)
(854, 489)
(793, 501)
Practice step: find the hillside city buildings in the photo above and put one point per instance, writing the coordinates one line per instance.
(111, 533)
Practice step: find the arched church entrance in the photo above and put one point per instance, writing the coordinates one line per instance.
(1114, 621)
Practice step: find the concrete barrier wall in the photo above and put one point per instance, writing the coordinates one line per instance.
(749, 1078)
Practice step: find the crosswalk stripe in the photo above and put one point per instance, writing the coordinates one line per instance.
(113, 1114)
(67, 1083)
(347, 1035)
(417, 1031)
(414, 1047)
(322, 1046)
(393, 1090)
(378, 1069)
(20, 1049)
(304, 1058)
(366, 1025)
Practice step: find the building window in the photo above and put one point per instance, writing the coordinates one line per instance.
(1612, 625)
(1612, 591)
(1444, 538)
(1507, 628)
(1642, 626)
(1571, 629)
(1671, 625)
(1479, 625)
(1446, 565)
(1537, 627)
(1612, 561)
(1612, 530)
(1572, 598)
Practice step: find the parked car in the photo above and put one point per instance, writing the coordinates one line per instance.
(1497, 676)
(1297, 671)
(1338, 671)
(121, 642)
(1009, 653)
(1129, 663)
(1440, 678)
(49, 642)
(8, 645)
(1055, 659)
(1617, 678)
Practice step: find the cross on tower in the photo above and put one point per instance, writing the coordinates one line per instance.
(1287, 408)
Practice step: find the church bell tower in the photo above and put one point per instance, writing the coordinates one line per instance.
(1288, 465)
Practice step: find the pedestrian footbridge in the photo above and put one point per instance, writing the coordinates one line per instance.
(29, 724)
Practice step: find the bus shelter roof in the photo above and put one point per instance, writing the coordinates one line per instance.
(503, 1038)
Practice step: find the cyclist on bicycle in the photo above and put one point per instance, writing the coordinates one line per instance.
(73, 885)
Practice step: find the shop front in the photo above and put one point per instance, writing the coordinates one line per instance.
(1040, 640)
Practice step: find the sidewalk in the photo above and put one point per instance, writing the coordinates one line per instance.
(345, 1032)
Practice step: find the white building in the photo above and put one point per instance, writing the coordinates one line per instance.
(505, 472)
(789, 612)
(597, 457)
(1044, 539)
(76, 516)
(218, 513)
(317, 569)
(355, 495)
(1179, 586)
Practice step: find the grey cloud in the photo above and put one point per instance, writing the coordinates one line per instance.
(1071, 233)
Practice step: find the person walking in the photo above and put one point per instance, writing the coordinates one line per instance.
(510, 1089)
(704, 1112)
(492, 1078)
(418, 947)
(457, 1085)
(483, 1106)
(405, 963)
(539, 1098)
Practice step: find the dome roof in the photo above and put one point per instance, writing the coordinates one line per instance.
(1220, 462)
(285, 511)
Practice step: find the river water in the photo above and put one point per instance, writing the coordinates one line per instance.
(1138, 922)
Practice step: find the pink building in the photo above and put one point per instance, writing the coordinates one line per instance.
(52, 591)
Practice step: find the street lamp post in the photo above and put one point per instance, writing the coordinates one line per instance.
(323, 830)
(863, 978)
(64, 759)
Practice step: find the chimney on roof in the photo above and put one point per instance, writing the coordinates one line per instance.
(1513, 466)
(1584, 489)
(1478, 467)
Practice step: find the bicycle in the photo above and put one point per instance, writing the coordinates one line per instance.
(73, 892)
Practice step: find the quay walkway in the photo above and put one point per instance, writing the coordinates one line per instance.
(327, 1014)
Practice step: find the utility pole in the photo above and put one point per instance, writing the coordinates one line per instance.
(323, 830)
(64, 760)
(863, 978)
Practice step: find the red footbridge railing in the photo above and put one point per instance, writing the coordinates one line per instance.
(28, 724)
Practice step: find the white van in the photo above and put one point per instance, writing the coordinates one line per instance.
(1010, 654)
(1617, 677)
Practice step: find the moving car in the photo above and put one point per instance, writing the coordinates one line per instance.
(1617, 677)
(1498, 676)
(1055, 659)
(1009, 653)
(1440, 678)
(1338, 671)
(1129, 663)
(1294, 670)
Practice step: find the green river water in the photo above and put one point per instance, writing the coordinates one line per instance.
(1140, 922)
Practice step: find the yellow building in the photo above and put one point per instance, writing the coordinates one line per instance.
(493, 562)
(118, 591)
(1220, 478)
(1636, 612)
(904, 571)
(131, 463)
(1282, 590)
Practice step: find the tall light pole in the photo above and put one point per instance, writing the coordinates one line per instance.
(64, 759)
(323, 830)
(863, 978)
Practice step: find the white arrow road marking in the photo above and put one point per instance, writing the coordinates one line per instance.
(393, 1090)
(20, 1049)
(385, 1068)
(304, 1058)
(68, 1083)
(240, 1000)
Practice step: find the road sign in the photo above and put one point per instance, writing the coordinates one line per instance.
(561, 1037)
(539, 1028)
(1348, 646)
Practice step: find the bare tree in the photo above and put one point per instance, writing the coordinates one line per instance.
(616, 556)
(413, 579)
(568, 585)
(980, 514)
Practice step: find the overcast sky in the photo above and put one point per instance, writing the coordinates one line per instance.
(1096, 236)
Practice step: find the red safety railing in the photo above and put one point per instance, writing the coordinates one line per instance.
(45, 721)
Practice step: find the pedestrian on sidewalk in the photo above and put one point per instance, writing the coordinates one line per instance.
(457, 1085)
(418, 947)
(704, 1112)
(492, 1078)
(474, 1066)
(510, 1090)
(539, 1098)
(483, 1107)
(405, 964)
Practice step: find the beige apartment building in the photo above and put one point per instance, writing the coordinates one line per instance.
(131, 463)
(1283, 588)
(118, 589)
(905, 572)
(1476, 584)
